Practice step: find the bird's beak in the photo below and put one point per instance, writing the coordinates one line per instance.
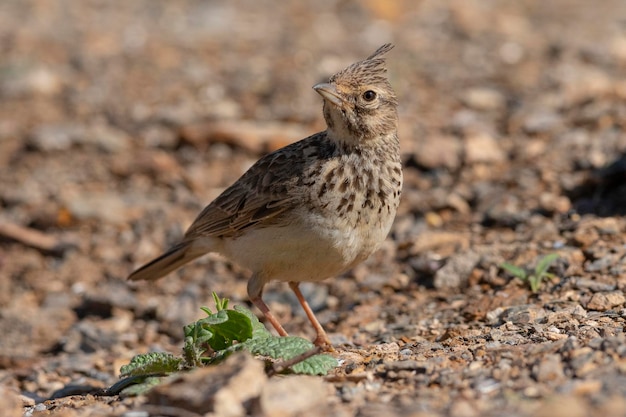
(329, 92)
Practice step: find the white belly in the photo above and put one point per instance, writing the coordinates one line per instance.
(297, 252)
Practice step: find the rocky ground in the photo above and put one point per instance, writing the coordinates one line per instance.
(119, 121)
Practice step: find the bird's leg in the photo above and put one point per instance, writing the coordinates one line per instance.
(258, 301)
(321, 339)
(255, 292)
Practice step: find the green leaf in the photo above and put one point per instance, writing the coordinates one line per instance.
(217, 318)
(220, 303)
(154, 363)
(516, 271)
(258, 329)
(315, 365)
(545, 263)
(231, 326)
(196, 333)
(289, 347)
(278, 347)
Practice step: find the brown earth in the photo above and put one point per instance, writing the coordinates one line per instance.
(119, 121)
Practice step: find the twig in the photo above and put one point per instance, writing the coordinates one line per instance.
(281, 366)
(34, 238)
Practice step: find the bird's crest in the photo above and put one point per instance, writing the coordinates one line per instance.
(371, 70)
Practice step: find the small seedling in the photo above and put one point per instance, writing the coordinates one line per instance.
(535, 276)
(210, 340)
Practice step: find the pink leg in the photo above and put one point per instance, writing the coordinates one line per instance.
(258, 301)
(321, 339)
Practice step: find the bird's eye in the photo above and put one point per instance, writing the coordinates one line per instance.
(369, 95)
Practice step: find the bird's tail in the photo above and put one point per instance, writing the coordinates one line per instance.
(173, 259)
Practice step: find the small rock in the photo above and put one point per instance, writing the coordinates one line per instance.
(106, 137)
(585, 237)
(484, 99)
(569, 406)
(483, 147)
(582, 361)
(463, 408)
(602, 301)
(550, 368)
(10, 402)
(37, 81)
(603, 264)
(587, 387)
(608, 226)
(295, 396)
(593, 285)
(439, 152)
(156, 136)
(553, 203)
(542, 122)
(137, 413)
(58, 137)
(26, 401)
(107, 207)
(456, 271)
(523, 314)
(224, 390)
(505, 210)
(409, 365)
(440, 241)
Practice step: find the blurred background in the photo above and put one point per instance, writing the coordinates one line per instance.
(119, 121)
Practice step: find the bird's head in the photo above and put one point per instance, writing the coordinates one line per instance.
(359, 102)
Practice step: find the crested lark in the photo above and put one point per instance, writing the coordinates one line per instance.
(312, 209)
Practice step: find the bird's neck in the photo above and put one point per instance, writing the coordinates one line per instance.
(351, 136)
(348, 144)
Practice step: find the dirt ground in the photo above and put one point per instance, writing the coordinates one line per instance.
(120, 120)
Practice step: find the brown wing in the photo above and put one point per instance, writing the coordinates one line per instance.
(268, 189)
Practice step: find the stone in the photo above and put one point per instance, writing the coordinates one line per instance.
(223, 390)
(295, 396)
(550, 368)
(456, 271)
(602, 301)
(484, 99)
(483, 147)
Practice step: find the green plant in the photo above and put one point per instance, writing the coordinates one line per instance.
(535, 276)
(211, 339)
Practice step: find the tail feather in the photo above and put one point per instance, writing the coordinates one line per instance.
(173, 259)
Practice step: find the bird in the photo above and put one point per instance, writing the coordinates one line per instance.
(312, 209)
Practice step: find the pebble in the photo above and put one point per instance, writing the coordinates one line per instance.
(594, 285)
(445, 154)
(224, 390)
(602, 301)
(483, 147)
(456, 272)
(480, 98)
(55, 137)
(137, 413)
(61, 137)
(11, 402)
(523, 314)
(462, 408)
(106, 207)
(295, 396)
(549, 369)
(563, 406)
(542, 121)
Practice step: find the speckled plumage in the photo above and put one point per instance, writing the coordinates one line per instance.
(312, 209)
